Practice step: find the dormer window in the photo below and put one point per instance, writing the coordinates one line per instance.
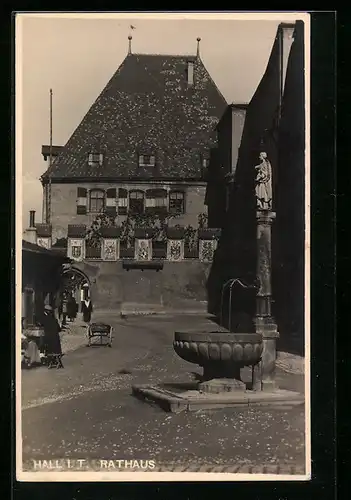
(146, 160)
(95, 159)
(190, 72)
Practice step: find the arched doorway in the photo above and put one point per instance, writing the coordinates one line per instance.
(77, 284)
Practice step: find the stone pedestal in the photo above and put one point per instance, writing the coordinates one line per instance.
(265, 323)
(220, 385)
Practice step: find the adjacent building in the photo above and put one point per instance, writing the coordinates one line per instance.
(274, 123)
(42, 270)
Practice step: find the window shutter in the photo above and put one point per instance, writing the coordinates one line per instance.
(111, 201)
(111, 193)
(81, 210)
(81, 201)
(122, 201)
(122, 193)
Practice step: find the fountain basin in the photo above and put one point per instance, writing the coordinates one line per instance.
(203, 348)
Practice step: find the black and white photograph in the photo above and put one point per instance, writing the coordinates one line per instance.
(162, 246)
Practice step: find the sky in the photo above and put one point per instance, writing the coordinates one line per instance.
(77, 55)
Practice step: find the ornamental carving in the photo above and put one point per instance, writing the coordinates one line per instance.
(110, 249)
(43, 242)
(175, 250)
(207, 249)
(143, 250)
(76, 249)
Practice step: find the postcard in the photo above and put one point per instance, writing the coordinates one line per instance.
(162, 242)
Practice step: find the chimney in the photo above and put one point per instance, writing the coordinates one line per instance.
(130, 44)
(30, 234)
(190, 72)
(32, 218)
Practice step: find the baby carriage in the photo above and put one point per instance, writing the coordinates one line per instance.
(102, 332)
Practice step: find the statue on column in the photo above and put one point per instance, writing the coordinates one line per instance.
(263, 183)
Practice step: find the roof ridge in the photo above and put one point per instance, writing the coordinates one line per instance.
(163, 55)
(214, 83)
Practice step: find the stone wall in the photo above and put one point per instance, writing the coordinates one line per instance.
(178, 285)
(64, 203)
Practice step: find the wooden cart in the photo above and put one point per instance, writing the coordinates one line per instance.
(102, 332)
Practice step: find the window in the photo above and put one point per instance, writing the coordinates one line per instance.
(156, 198)
(136, 202)
(176, 202)
(95, 159)
(147, 160)
(97, 201)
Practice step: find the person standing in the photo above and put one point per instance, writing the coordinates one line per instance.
(71, 308)
(52, 341)
(87, 309)
(64, 310)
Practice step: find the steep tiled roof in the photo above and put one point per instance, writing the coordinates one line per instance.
(147, 107)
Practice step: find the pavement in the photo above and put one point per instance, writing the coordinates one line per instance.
(86, 410)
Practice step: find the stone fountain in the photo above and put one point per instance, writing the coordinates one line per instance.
(223, 353)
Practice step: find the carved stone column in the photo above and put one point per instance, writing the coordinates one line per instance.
(265, 323)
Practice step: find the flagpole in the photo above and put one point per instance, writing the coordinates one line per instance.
(48, 215)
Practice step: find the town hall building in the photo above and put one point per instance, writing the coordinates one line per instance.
(144, 147)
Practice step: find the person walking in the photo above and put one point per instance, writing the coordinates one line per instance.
(52, 341)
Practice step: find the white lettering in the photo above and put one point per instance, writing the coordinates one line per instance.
(103, 463)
